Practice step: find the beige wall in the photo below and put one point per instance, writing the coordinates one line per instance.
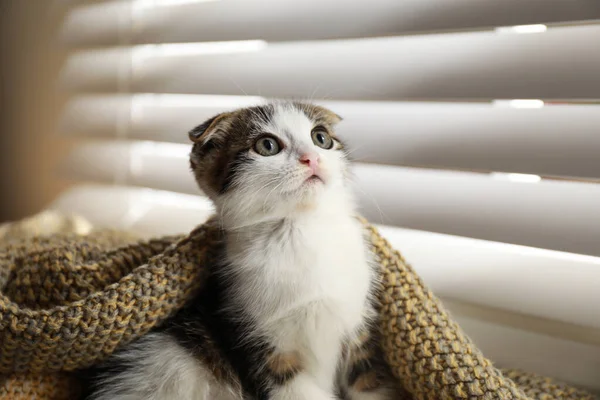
(29, 106)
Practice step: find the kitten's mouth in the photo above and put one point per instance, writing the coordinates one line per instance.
(314, 179)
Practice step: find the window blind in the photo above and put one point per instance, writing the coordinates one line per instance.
(475, 127)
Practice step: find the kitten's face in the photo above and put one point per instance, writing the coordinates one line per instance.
(269, 160)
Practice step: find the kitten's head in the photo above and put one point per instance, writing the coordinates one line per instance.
(270, 160)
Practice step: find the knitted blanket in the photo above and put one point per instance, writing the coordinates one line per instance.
(68, 301)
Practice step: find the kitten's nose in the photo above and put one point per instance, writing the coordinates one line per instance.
(310, 159)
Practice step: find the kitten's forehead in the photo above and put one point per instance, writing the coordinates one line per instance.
(279, 118)
(289, 120)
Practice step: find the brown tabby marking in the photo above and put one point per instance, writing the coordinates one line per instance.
(367, 382)
(284, 366)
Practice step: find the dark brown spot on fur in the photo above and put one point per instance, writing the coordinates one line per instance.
(284, 366)
(198, 134)
(367, 382)
(230, 169)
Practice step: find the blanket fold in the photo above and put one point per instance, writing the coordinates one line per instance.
(68, 301)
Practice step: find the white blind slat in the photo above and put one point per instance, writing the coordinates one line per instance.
(147, 212)
(106, 24)
(548, 214)
(560, 140)
(519, 279)
(162, 166)
(444, 66)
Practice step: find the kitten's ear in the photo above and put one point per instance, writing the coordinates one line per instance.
(203, 132)
(330, 117)
(335, 118)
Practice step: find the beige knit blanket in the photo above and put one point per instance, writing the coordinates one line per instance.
(68, 301)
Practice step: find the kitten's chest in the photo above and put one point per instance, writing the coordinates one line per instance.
(317, 274)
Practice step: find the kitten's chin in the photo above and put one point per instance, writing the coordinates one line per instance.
(311, 193)
(312, 187)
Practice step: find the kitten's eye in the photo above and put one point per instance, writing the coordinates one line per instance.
(322, 139)
(267, 146)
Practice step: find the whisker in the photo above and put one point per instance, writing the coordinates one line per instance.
(382, 216)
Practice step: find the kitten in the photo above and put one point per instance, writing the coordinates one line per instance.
(288, 312)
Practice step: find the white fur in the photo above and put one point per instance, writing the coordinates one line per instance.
(160, 369)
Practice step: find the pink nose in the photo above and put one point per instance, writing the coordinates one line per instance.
(311, 160)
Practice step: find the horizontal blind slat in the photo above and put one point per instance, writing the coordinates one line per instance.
(155, 165)
(560, 140)
(147, 212)
(504, 276)
(450, 66)
(284, 20)
(548, 214)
